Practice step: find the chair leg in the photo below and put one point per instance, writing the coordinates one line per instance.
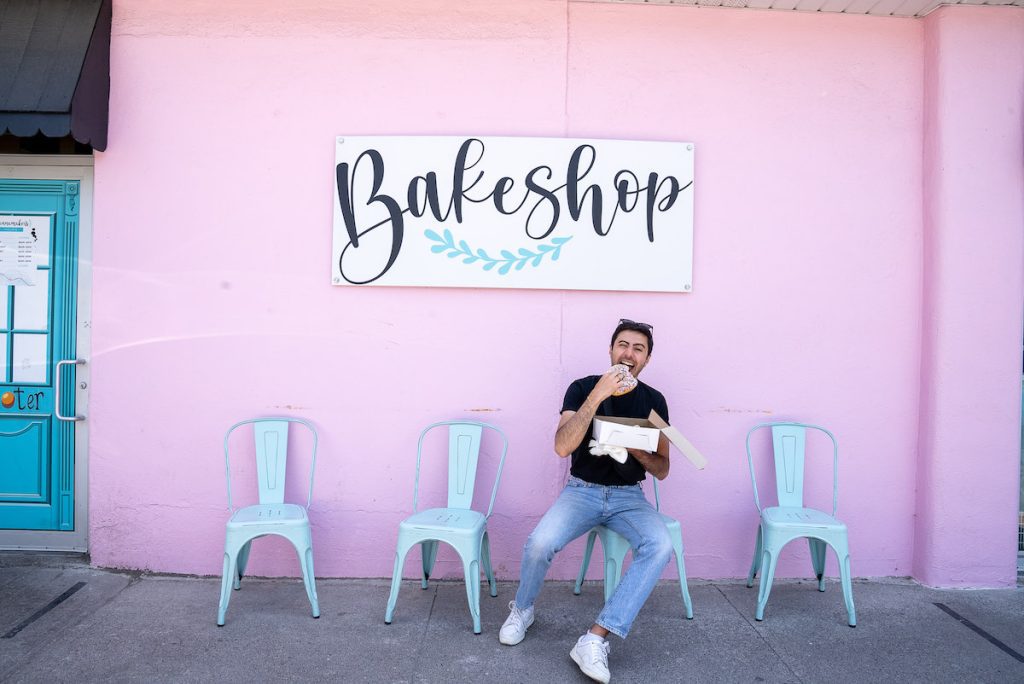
(818, 548)
(243, 560)
(308, 578)
(843, 555)
(615, 549)
(755, 565)
(226, 582)
(768, 560)
(677, 543)
(396, 583)
(471, 567)
(485, 553)
(586, 562)
(429, 551)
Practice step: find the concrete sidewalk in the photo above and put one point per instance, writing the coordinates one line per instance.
(61, 620)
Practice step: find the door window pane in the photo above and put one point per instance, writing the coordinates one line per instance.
(30, 304)
(3, 359)
(29, 358)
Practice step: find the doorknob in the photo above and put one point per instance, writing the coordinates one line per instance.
(56, 385)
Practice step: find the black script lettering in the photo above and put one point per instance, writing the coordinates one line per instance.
(459, 192)
(346, 184)
(622, 195)
(545, 196)
(572, 178)
(430, 197)
(33, 401)
(501, 188)
(653, 188)
(622, 189)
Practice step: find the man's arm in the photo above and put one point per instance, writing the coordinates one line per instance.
(573, 425)
(656, 463)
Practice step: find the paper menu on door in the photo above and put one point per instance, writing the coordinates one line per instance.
(24, 247)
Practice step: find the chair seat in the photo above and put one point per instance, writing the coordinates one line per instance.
(806, 517)
(269, 514)
(446, 519)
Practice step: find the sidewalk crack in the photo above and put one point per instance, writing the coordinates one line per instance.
(759, 634)
(41, 641)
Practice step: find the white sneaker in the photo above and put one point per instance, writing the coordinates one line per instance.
(591, 654)
(518, 621)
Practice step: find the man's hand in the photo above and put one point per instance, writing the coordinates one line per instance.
(657, 463)
(610, 383)
(654, 463)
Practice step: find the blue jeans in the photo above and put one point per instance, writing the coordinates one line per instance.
(581, 506)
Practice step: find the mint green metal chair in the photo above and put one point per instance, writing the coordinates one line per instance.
(457, 524)
(271, 515)
(615, 548)
(790, 520)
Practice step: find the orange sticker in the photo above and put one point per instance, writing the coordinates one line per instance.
(7, 399)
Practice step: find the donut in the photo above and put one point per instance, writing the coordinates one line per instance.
(627, 378)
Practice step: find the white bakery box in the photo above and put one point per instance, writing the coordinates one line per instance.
(644, 433)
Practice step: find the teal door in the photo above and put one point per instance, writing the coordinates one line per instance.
(38, 284)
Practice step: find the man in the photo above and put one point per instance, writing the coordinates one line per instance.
(601, 491)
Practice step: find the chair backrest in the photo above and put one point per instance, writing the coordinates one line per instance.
(271, 441)
(789, 442)
(464, 437)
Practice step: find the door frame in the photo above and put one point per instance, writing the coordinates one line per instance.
(80, 168)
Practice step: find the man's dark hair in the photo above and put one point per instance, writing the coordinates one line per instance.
(643, 328)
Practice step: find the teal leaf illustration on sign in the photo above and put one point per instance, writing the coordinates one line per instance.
(506, 262)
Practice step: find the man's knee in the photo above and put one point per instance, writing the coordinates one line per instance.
(659, 546)
(541, 545)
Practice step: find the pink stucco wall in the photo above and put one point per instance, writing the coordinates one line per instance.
(213, 303)
(974, 227)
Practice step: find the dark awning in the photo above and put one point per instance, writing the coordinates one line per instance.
(55, 69)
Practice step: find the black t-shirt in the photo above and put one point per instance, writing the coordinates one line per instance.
(604, 470)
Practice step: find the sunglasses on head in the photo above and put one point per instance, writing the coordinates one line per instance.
(645, 326)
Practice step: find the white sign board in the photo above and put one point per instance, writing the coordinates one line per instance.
(24, 247)
(553, 213)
